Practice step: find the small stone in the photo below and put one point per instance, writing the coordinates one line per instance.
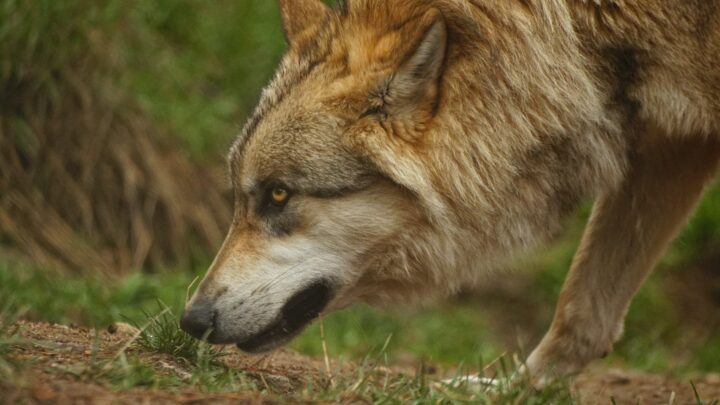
(279, 382)
(44, 394)
(122, 328)
(713, 378)
(619, 380)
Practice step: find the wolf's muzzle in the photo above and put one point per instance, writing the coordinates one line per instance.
(198, 319)
(301, 309)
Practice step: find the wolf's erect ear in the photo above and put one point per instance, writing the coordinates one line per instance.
(301, 15)
(416, 78)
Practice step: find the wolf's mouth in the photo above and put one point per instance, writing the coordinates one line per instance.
(297, 313)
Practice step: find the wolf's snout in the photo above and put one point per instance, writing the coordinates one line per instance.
(198, 319)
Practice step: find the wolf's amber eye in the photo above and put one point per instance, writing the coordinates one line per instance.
(279, 195)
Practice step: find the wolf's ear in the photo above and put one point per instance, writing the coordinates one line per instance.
(416, 79)
(300, 15)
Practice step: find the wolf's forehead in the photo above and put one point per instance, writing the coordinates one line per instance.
(305, 72)
(274, 95)
(306, 152)
(294, 131)
(288, 95)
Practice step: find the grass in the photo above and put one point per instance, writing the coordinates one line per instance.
(161, 334)
(90, 301)
(424, 333)
(126, 373)
(190, 362)
(367, 382)
(371, 383)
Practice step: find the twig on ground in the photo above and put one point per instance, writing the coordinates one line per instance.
(325, 353)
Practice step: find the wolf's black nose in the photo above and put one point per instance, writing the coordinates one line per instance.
(198, 319)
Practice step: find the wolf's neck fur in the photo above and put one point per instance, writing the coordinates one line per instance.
(522, 135)
(564, 87)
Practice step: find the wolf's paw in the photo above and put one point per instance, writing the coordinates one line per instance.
(564, 352)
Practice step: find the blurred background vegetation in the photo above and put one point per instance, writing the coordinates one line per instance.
(115, 116)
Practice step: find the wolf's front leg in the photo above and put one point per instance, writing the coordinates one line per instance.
(628, 231)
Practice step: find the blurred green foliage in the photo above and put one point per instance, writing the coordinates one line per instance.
(195, 67)
(89, 301)
(198, 66)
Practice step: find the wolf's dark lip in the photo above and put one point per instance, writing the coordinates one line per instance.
(295, 315)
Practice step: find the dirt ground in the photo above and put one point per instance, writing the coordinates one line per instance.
(57, 369)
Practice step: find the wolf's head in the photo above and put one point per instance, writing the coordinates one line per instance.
(356, 179)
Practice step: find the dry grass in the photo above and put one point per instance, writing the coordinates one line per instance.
(86, 181)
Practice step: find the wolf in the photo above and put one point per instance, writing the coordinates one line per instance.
(407, 148)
